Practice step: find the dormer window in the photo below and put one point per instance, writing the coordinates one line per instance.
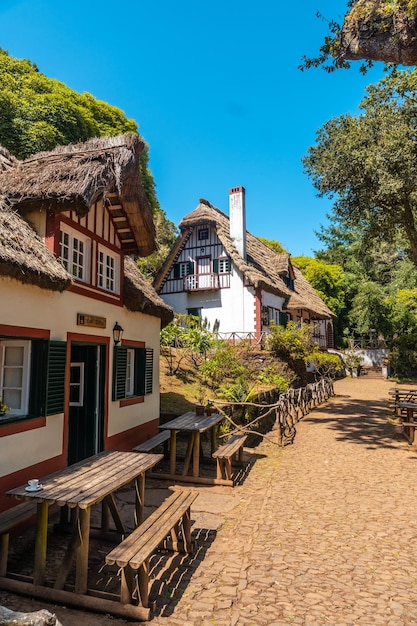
(203, 234)
(289, 282)
(74, 253)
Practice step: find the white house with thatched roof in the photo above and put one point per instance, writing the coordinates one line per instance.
(219, 271)
(70, 219)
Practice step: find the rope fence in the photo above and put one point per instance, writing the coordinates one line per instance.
(283, 414)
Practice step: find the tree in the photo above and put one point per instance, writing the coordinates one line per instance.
(368, 164)
(372, 30)
(274, 245)
(329, 280)
(38, 113)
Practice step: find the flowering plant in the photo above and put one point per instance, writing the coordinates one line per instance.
(3, 407)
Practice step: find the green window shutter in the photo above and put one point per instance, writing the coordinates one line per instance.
(119, 372)
(38, 377)
(190, 267)
(148, 370)
(283, 318)
(215, 266)
(140, 365)
(176, 270)
(55, 377)
(229, 264)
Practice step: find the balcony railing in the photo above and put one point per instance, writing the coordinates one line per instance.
(206, 282)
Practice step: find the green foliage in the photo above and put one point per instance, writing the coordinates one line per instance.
(38, 113)
(329, 57)
(367, 164)
(190, 339)
(166, 233)
(325, 364)
(369, 309)
(274, 245)
(353, 362)
(403, 356)
(291, 342)
(327, 279)
(223, 364)
(403, 311)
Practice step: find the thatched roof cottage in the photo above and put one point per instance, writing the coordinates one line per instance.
(72, 220)
(218, 270)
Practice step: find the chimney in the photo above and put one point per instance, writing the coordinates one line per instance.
(237, 215)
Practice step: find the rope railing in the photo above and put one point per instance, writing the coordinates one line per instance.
(291, 406)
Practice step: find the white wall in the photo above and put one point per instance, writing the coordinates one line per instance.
(233, 306)
(30, 306)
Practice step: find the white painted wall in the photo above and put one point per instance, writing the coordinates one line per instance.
(234, 306)
(30, 306)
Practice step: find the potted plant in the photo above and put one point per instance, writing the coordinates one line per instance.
(3, 407)
(201, 401)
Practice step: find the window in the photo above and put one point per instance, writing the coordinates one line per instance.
(132, 372)
(203, 234)
(14, 375)
(222, 265)
(289, 282)
(74, 253)
(108, 271)
(184, 268)
(32, 377)
(76, 384)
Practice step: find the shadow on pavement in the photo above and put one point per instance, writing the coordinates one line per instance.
(359, 421)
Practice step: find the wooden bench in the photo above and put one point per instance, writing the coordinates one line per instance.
(154, 442)
(8, 520)
(132, 555)
(224, 454)
(402, 395)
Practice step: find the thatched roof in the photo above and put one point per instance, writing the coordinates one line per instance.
(73, 177)
(139, 295)
(7, 160)
(376, 30)
(305, 297)
(263, 267)
(24, 256)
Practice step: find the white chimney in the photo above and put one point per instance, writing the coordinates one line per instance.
(237, 215)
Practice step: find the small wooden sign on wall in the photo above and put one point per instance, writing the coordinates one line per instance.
(91, 320)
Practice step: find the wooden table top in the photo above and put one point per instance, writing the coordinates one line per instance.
(407, 405)
(192, 422)
(89, 481)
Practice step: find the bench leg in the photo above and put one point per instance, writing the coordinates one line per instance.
(240, 455)
(4, 552)
(219, 468)
(126, 585)
(186, 531)
(228, 468)
(143, 581)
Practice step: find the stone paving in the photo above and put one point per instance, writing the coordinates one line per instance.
(321, 532)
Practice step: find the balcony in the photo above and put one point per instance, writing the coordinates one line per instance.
(205, 282)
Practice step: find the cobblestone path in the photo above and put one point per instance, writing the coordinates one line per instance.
(321, 532)
(325, 530)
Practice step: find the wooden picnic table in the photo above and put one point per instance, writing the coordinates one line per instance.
(79, 487)
(409, 424)
(193, 425)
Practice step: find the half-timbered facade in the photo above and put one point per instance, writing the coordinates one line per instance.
(219, 271)
(79, 324)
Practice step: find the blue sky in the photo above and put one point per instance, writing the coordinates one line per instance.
(215, 89)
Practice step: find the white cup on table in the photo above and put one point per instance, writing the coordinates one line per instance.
(33, 483)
